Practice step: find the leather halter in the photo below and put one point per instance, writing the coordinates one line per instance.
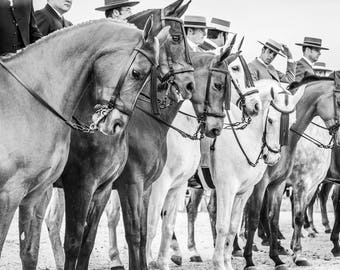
(168, 80)
(103, 110)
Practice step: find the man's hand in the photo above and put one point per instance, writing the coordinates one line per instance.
(287, 52)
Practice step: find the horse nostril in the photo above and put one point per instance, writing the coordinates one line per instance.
(216, 132)
(190, 86)
(265, 157)
(257, 107)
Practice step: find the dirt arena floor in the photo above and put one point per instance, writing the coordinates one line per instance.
(317, 250)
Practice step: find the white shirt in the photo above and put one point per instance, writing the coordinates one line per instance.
(192, 45)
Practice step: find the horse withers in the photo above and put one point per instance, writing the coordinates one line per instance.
(34, 85)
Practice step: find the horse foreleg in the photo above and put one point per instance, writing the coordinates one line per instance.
(176, 251)
(77, 201)
(212, 213)
(113, 215)
(336, 227)
(97, 206)
(172, 201)
(252, 216)
(225, 200)
(275, 193)
(143, 228)
(323, 197)
(192, 210)
(130, 196)
(53, 220)
(157, 197)
(309, 222)
(31, 215)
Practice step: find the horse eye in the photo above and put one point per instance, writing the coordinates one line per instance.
(136, 75)
(235, 68)
(270, 121)
(338, 102)
(218, 86)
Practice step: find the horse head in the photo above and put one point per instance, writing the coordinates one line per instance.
(278, 105)
(247, 97)
(134, 72)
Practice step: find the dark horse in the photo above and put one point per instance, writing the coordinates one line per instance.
(36, 94)
(88, 182)
(318, 99)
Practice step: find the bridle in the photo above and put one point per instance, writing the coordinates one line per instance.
(284, 131)
(103, 110)
(332, 129)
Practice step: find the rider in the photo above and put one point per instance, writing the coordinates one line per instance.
(320, 69)
(50, 18)
(18, 27)
(261, 67)
(217, 36)
(195, 29)
(311, 48)
(117, 9)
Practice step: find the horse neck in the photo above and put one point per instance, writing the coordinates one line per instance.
(185, 122)
(58, 67)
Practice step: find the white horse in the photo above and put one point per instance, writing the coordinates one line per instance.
(232, 174)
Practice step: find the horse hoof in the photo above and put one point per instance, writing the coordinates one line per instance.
(282, 251)
(196, 258)
(265, 243)
(255, 248)
(119, 267)
(335, 252)
(311, 235)
(237, 253)
(250, 268)
(153, 265)
(302, 262)
(176, 260)
(281, 267)
(328, 231)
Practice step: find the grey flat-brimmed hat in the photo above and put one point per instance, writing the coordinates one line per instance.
(195, 21)
(274, 46)
(220, 25)
(320, 66)
(312, 42)
(111, 4)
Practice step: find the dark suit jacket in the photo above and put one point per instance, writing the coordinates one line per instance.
(17, 25)
(260, 71)
(303, 69)
(49, 21)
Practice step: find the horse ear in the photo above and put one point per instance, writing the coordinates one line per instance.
(147, 29)
(171, 9)
(227, 51)
(163, 35)
(181, 10)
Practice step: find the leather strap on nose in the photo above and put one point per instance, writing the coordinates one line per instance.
(284, 129)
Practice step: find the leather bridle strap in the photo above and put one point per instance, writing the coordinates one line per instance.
(43, 102)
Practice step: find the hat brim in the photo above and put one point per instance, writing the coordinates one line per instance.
(278, 52)
(113, 6)
(197, 26)
(310, 45)
(321, 69)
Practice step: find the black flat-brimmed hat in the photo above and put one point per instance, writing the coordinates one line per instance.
(195, 21)
(111, 4)
(320, 66)
(274, 46)
(312, 42)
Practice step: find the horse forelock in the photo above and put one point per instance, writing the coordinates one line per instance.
(62, 33)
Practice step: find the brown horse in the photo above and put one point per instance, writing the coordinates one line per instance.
(87, 183)
(319, 98)
(35, 143)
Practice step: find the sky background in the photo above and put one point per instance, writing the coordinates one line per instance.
(286, 21)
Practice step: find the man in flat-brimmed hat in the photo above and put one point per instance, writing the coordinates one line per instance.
(117, 9)
(217, 35)
(320, 69)
(195, 29)
(261, 67)
(311, 48)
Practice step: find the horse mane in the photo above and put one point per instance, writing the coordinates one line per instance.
(59, 32)
(308, 79)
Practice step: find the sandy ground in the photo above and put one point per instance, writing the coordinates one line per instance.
(317, 249)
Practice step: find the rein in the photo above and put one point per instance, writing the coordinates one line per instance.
(103, 111)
